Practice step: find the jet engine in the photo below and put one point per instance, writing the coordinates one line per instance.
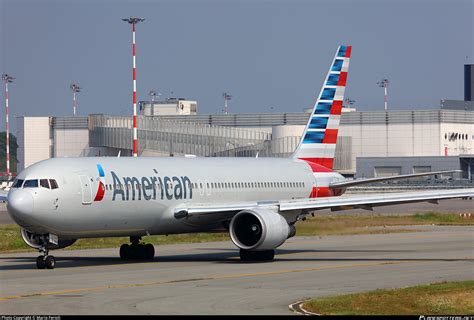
(37, 241)
(259, 229)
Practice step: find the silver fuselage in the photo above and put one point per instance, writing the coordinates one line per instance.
(141, 194)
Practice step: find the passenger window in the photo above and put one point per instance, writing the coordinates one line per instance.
(17, 183)
(53, 183)
(31, 184)
(44, 183)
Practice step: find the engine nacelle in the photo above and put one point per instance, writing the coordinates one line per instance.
(259, 229)
(37, 241)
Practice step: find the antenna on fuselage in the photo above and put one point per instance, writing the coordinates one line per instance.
(118, 156)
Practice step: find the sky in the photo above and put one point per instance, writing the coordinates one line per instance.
(272, 56)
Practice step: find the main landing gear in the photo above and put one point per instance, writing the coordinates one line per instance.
(137, 250)
(266, 255)
(45, 261)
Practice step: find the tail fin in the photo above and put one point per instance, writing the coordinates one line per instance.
(318, 142)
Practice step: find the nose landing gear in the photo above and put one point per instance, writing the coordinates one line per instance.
(45, 261)
(137, 250)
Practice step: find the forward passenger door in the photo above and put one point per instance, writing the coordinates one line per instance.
(86, 187)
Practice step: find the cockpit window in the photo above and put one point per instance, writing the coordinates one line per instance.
(31, 184)
(44, 183)
(54, 184)
(17, 183)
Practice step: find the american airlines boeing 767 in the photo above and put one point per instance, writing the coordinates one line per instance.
(257, 200)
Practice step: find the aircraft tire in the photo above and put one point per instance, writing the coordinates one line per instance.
(149, 251)
(247, 255)
(268, 255)
(40, 264)
(125, 252)
(50, 262)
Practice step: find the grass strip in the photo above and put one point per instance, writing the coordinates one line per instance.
(453, 298)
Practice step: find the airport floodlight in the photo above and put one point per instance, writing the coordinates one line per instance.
(8, 79)
(226, 97)
(133, 21)
(75, 89)
(348, 102)
(384, 84)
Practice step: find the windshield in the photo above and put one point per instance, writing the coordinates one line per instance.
(31, 184)
(17, 183)
(54, 184)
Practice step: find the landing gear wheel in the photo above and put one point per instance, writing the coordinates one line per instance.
(247, 255)
(268, 255)
(125, 252)
(137, 251)
(50, 262)
(149, 251)
(40, 264)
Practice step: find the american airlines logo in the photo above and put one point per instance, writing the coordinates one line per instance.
(151, 188)
(101, 191)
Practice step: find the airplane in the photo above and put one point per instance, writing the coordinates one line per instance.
(257, 200)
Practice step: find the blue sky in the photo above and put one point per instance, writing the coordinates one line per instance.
(270, 55)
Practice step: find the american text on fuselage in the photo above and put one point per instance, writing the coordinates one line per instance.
(151, 187)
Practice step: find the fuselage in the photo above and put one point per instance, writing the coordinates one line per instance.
(99, 197)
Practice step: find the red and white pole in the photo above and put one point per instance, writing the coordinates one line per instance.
(8, 79)
(135, 131)
(384, 84)
(133, 21)
(74, 103)
(7, 128)
(75, 89)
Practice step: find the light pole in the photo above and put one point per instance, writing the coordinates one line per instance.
(384, 84)
(153, 94)
(226, 97)
(8, 79)
(75, 89)
(133, 21)
(349, 102)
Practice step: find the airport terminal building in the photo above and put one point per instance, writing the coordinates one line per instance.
(366, 142)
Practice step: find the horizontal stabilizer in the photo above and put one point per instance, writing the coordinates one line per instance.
(351, 183)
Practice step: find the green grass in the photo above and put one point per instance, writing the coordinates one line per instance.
(366, 224)
(10, 239)
(440, 218)
(453, 298)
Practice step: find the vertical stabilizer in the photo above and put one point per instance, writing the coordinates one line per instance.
(318, 142)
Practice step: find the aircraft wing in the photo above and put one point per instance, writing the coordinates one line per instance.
(374, 200)
(222, 212)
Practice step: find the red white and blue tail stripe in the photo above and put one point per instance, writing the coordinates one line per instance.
(318, 143)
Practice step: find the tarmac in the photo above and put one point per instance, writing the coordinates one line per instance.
(209, 278)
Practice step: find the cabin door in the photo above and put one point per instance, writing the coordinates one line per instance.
(86, 189)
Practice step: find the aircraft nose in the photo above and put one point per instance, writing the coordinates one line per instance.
(20, 204)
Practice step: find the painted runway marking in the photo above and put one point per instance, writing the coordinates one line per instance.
(298, 308)
(223, 277)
